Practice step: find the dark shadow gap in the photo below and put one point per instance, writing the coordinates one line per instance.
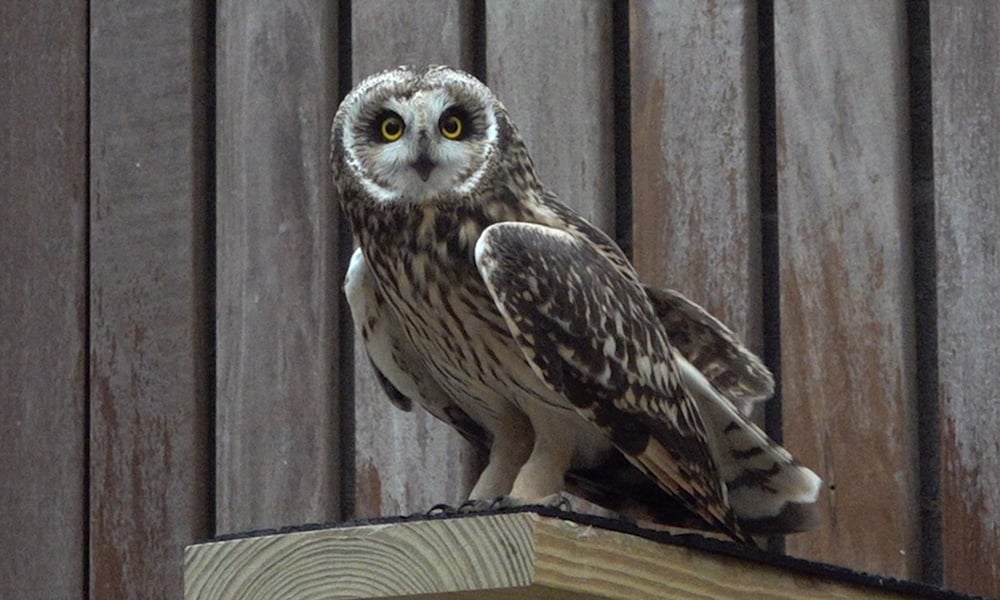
(925, 290)
(477, 38)
(770, 276)
(622, 107)
(345, 325)
(210, 256)
(769, 231)
(87, 312)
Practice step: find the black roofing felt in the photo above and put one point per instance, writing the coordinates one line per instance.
(690, 540)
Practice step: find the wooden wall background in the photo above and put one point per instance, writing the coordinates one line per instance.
(175, 361)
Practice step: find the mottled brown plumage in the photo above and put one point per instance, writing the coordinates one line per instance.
(483, 298)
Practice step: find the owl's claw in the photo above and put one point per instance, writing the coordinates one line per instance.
(441, 509)
(558, 501)
(474, 506)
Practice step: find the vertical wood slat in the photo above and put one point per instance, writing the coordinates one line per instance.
(43, 166)
(406, 462)
(694, 155)
(277, 444)
(965, 51)
(846, 292)
(150, 459)
(550, 63)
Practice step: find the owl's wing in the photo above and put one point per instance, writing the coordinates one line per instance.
(399, 368)
(586, 327)
(711, 347)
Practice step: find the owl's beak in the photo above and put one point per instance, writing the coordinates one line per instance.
(423, 165)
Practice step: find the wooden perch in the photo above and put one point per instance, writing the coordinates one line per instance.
(520, 555)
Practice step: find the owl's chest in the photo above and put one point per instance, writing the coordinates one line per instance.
(437, 295)
(439, 298)
(421, 261)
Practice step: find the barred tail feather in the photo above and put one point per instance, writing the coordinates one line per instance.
(768, 490)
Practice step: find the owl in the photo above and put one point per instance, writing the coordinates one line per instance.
(484, 299)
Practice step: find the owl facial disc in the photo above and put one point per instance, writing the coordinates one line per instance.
(419, 136)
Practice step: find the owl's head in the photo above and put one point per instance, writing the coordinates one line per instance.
(413, 134)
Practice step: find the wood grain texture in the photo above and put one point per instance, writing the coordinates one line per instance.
(695, 155)
(431, 32)
(512, 557)
(550, 63)
(965, 48)
(43, 298)
(278, 446)
(406, 462)
(846, 289)
(150, 463)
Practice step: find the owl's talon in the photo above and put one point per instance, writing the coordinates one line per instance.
(558, 501)
(503, 502)
(475, 506)
(441, 509)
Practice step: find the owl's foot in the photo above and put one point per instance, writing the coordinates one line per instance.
(469, 507)
(559, 501)
(439, 510)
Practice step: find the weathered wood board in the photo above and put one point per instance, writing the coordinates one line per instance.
(965, 51)
(43, 299)
(150, 437)
(846, 289)
(550, 63)
(277, 413)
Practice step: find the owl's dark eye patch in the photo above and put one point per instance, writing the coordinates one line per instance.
(457, 123)
(386, 127)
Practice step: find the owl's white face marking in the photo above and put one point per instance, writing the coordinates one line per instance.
(419, 156)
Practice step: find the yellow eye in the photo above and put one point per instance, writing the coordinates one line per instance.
(391, 128)
(451, 127)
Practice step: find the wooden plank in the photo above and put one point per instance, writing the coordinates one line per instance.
(43, 298)
(965, 47)
(432, 32)
(511, 556)
(278, 443)
(150, 462)
(695, 155)
(550, 63)
(406, 462)
(846, 291)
